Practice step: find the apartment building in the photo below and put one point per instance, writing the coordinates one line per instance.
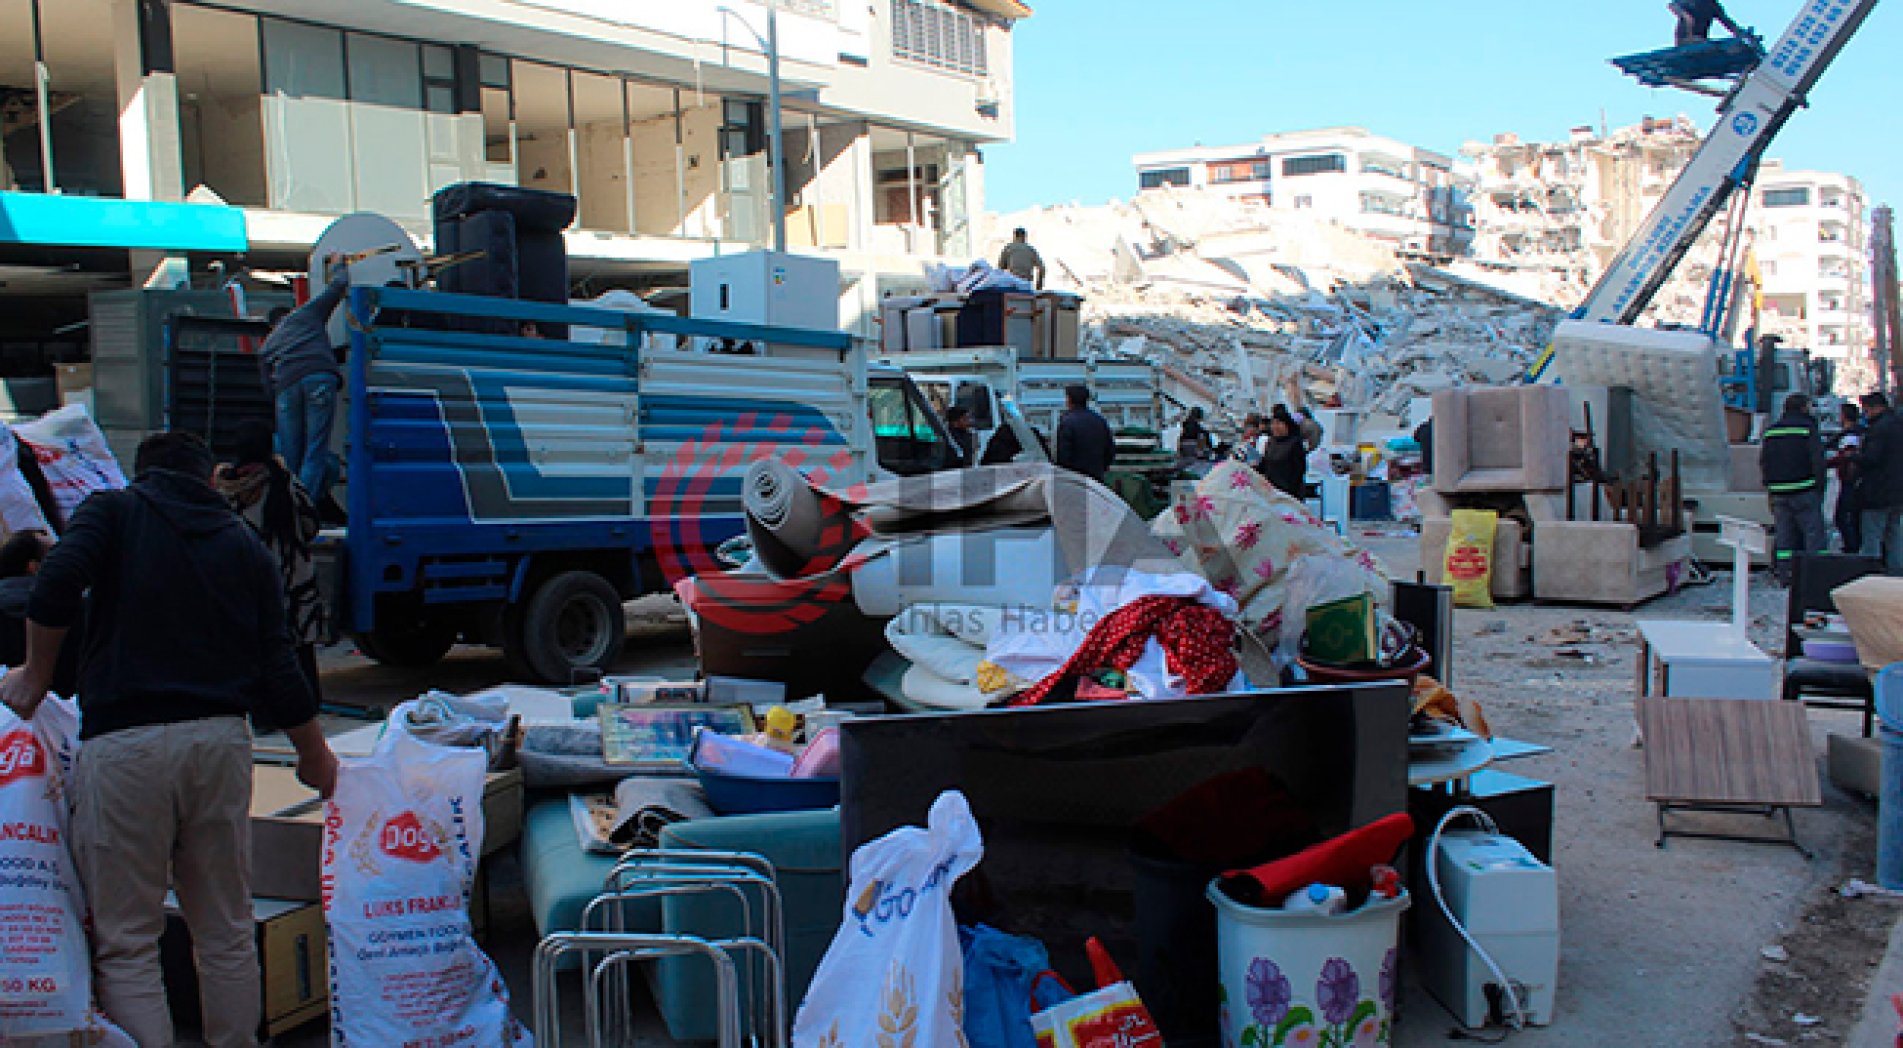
(1813, 253)
(143, 136)
(1390, 190)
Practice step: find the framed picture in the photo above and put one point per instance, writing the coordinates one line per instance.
(659, 736)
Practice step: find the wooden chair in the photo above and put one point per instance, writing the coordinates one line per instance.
(1825, 685)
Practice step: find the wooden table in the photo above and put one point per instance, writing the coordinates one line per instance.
(1734, 756)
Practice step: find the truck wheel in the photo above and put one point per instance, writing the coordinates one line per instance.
(410, 645)
(572, 622)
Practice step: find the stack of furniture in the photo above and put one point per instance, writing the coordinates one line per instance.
(1510, 449)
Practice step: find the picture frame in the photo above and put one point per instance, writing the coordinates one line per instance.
(658, 736)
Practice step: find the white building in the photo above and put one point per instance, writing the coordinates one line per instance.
(1813, 251)
(279, 115)
(1395, 192)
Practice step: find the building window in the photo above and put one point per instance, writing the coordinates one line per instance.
(939, 36)
(1795, 197)
(1323, 164)
(1381, 204)
(1381, 165)
(1768, 269)
(1169, 176)
(1304, 202)
(1232, 171)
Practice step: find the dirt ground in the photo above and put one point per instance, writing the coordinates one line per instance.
(1669, 946)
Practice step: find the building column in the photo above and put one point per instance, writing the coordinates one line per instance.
(151, 161)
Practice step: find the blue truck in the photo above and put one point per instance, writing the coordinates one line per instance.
(515, 490)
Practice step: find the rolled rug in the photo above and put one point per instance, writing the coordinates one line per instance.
(797, 530)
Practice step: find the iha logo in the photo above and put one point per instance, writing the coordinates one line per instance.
(405, 838)
(21, 757)
(751, 604)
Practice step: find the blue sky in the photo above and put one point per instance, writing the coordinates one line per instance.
(1098, 80)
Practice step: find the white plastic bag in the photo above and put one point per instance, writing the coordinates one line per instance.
(73, 454)
(401, 840)
(45, 963)
(19, 510)
(893, 976)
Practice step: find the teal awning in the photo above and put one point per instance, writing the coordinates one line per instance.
(151, 225)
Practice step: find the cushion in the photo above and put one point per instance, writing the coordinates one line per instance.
(1816, 677)
(1501, 438)
(560, 877)
(804, 848)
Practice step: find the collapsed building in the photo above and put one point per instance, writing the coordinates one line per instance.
(1243, 307)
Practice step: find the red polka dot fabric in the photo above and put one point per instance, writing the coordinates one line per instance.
(1197, 646)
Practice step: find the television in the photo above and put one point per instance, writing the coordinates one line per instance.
(1068, 797)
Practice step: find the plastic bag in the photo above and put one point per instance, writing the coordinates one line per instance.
(1112, 1016)
(893, 977)
(1007, 979)
(73, 454)
(45, 963)
(1469, 563)
(19, 510)
(401, 838)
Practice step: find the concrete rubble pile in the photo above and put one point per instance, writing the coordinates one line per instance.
(1242, 305)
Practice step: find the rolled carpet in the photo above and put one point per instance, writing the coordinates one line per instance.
(797, 529)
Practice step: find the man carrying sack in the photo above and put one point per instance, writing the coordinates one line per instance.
(185, 637)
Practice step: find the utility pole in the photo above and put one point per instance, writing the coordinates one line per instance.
(776, 147)
(1889, 324)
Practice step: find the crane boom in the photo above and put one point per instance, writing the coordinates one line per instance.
(1751, 116)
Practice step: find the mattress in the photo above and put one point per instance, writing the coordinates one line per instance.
(1674, 378)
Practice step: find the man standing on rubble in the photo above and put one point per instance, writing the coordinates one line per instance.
(1792, 459)
(185, 636)
(1084, 441)
(1021, 260)
(1880, 482)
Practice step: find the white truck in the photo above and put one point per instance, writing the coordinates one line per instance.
(994, 382)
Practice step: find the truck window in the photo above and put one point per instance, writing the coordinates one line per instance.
(906, 439)
(975, 397)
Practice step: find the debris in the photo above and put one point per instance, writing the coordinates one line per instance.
(1489, 628)
(1802, 1019)
(1856, 889)
(1243, 305)
(1571, 633)
(1776, 953)
(1758, 1038)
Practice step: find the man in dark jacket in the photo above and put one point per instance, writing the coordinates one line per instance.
(185, 636)
(20, 561)
(1843, 458)
(1880, 482)
(300, 372)
(1792, 460)
(1084, 440)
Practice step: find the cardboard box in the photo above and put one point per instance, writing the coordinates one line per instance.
(287, 829)
(293, 961)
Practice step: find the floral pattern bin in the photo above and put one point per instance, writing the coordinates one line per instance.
(1307, 980)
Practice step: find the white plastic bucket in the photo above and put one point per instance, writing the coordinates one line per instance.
(1300, 980)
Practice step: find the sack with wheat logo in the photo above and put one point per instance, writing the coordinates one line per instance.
(893, 976)
(401, 838)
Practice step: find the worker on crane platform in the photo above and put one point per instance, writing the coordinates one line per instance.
(1694, 19)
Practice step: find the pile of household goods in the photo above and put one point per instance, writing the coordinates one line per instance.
(1019, 585)
(1306, 950)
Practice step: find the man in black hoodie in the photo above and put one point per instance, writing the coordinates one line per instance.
(185, 636)
(1880, 482)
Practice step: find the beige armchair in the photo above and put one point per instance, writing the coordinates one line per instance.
(1501, 438)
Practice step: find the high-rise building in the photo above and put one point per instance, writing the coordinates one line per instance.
(1812, 248)
(272, 117)
(1395, 192)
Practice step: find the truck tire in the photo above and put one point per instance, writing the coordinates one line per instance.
(410, 645)
(572, 622)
